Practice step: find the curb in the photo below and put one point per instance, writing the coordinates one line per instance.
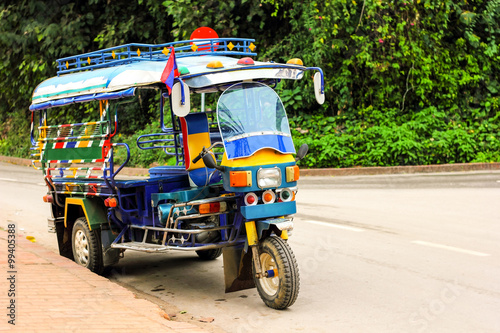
(332, 172)
(410, 169)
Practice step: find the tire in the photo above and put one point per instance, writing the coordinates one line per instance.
(281, 291)
(209, 254)
(86, 246)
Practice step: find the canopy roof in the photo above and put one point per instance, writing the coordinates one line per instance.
(107, 74)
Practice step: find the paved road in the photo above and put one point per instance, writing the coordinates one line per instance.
(405, 253)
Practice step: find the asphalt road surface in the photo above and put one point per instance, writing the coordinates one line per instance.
(398, 253)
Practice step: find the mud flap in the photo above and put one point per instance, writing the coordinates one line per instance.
(110, 256)
(237, 268)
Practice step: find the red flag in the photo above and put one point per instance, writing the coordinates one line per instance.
(170, 71)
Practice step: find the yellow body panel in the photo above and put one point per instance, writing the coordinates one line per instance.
(261, 157)
(78, 202)
(252, 237)
(196, 142)
(284, 234)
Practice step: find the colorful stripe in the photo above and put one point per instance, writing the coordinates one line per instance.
(69, 91)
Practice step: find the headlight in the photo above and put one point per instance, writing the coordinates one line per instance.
(269, 177)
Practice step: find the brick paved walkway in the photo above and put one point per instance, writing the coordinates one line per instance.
(53, 294)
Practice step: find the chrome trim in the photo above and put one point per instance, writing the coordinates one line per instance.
(51, 223)
(151, 248)
(195, 202)
(279, 182)
(293, 189)
(286, 225)
(185, 231)
(246, 135)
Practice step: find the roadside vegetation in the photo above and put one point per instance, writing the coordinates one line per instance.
(407, 82)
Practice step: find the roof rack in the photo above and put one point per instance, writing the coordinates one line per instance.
(127, 53)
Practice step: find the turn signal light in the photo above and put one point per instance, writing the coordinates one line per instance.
(48, 198)
(240, 178)
(292, 173)
(268, 197)
(215, 64)
(111, 202)
(213, 207)
(295, 61)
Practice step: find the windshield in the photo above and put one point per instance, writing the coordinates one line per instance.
(252, 117)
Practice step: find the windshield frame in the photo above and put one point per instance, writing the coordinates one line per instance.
(274, 133)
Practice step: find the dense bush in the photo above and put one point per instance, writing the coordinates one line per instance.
(427, 137)
(407, 82)
(34, 33)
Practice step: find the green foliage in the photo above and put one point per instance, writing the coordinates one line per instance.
(427, 137)
(406, 81)
(34, 33)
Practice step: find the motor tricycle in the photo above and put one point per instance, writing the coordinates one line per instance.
(233, 186)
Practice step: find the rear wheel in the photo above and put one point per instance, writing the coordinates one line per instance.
(276, 257)
(86, 246)
(209, 254)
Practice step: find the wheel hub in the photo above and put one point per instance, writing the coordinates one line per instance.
(82, 248)
(270, 284)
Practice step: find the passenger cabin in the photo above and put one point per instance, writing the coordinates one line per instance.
(79, 159)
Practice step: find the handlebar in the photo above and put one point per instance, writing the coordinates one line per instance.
(205, 151)
(197, 158)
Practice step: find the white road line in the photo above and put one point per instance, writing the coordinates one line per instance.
(9, 179)
(451, 248)
(333, 225)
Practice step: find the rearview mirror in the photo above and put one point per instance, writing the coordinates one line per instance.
(302, 152)
(318, 87)
(178, 90)
(211, 163)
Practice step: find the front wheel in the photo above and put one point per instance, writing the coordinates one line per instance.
(276, 257)
(87, 250)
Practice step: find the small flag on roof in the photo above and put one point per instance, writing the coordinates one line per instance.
(170, 72)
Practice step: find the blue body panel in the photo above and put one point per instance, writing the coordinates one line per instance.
(205, 176)
(246, 147)
(167, 170)
(268, 210)
(254, 170)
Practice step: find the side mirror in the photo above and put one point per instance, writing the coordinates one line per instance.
(180, 93)
(302, 152)
(211, 163)
(319, 88)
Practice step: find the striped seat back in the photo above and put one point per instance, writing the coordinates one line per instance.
(195, 136)
(64, 148)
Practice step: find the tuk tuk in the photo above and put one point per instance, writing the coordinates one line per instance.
(233, 186)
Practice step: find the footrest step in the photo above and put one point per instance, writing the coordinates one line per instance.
(139, 246)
